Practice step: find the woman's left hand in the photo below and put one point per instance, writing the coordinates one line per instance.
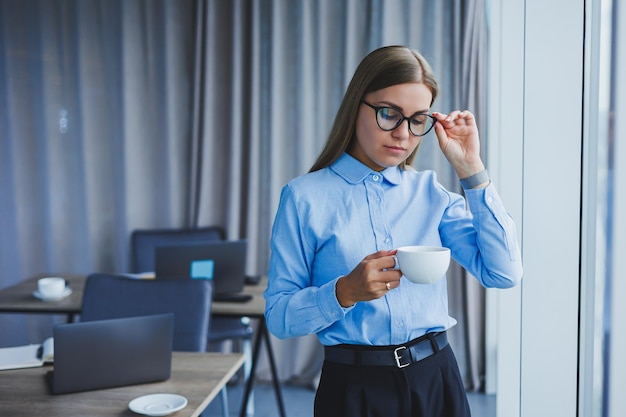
(458, 139)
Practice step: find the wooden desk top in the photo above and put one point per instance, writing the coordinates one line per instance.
(197, 376)
(19, 299)
(253, 308)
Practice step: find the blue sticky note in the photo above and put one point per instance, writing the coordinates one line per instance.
(202, 269)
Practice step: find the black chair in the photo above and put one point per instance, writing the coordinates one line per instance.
(239, 331)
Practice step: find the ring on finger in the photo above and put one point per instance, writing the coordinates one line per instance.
(388, 286)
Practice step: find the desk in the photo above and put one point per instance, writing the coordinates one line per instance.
(197, 376)
(19, 299)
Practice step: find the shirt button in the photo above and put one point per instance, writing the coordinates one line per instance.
(489, 200)
(386, 240)
(401, 324)
(375, 177)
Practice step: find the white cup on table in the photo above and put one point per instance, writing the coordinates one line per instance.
(51, 287)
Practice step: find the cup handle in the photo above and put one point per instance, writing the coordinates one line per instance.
(396, 265)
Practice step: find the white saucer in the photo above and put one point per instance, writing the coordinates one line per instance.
(65, 293)
(158, 404)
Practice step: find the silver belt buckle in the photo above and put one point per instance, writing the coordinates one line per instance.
(399, 358)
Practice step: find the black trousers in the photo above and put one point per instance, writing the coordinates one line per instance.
(430, 388)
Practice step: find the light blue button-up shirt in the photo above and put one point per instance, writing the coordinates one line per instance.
(329, 220)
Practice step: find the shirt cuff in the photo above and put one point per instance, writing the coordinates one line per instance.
(487, 201)
(329, 304)
(482, 199)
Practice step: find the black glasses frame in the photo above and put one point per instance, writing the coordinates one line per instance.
(400, 121)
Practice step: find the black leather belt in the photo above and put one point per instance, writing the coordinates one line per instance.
(398, 356)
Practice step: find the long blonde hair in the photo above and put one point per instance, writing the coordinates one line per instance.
(381, 68)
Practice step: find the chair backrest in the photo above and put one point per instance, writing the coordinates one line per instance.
(145, 241)
(109, 296)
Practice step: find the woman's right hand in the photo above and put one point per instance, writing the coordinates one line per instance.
(372, 278)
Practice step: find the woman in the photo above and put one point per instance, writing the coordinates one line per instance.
(332, 264)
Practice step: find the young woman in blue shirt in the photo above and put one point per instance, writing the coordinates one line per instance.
(334, 237)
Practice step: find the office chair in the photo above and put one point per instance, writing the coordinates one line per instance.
(143, 247)
(111, 296)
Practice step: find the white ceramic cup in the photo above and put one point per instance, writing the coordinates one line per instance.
(423, 264)
(51, 287)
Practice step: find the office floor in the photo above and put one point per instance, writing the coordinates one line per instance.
(299, 402)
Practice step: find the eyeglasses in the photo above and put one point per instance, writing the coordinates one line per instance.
(389, 118)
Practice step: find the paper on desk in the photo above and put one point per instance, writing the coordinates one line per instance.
(28, 356)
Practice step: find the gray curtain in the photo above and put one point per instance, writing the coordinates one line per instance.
(94, 135)
(129, 114)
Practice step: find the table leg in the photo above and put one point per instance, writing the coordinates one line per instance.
(262, 332)
(250, 381)
(275, 381)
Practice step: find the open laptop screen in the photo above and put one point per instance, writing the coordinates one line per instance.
(222, 261)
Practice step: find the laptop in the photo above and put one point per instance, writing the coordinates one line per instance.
(222, 261)
(111, 353)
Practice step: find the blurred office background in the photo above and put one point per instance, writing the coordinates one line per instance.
(125, 114)
(146, 114)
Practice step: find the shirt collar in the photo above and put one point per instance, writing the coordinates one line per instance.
(354, 171)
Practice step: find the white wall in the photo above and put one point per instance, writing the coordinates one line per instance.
(617, 376)
(537, 98)
(505, 163)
